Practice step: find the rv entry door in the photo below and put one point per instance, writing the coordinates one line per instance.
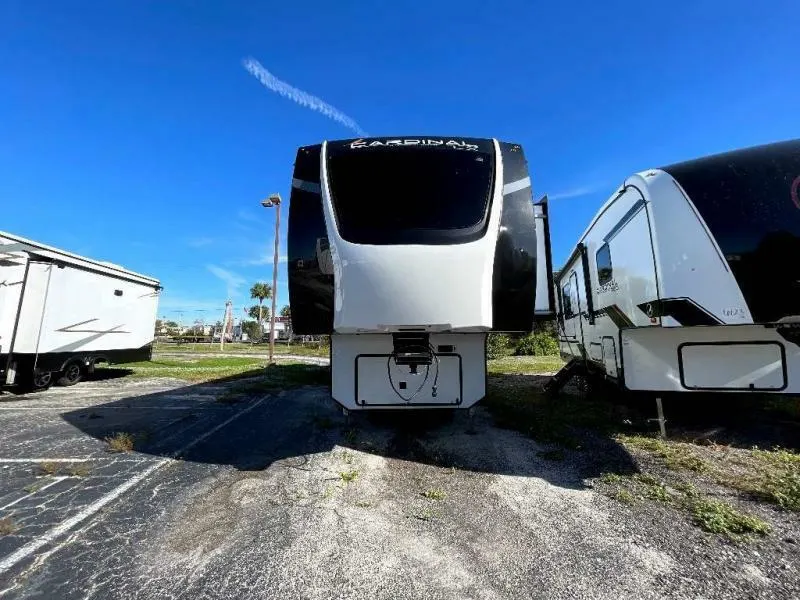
(571, 307)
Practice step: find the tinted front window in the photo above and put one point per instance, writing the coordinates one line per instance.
(410, 195)
(749, 200)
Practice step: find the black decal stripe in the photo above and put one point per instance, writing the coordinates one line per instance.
(551, 291)
(310, 290)
(684, 310)
(514, 278)
(616, 314)
(587, 285)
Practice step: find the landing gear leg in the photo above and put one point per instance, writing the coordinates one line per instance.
(661, 420)
(471, 421)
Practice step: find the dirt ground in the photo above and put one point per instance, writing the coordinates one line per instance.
(278, 496)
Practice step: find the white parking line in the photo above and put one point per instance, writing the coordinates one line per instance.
(44, 487)
(55, 460)
(101, 407)
(31, 547)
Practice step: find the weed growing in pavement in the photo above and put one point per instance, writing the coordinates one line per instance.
(78, 470)
(623, 495)
(610, 478)
(32, 488)
(716, 516)
(120, 442)
(435, 494)
(769, 475)
(676, 456)
(348, 476)
(363, 504)
(48, 468)
(7, 526)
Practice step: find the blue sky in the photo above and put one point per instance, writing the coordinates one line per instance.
(131, 132)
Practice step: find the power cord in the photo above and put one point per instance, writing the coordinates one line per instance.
(429, 348)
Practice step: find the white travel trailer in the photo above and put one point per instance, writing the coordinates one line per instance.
(687, 279)
(427, 245)
(60, 314)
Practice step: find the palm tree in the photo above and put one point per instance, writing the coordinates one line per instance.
(260, 291)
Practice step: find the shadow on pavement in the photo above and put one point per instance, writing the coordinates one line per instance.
(12, 393)
(280, 418)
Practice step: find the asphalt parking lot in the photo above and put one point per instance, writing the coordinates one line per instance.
(277, 496)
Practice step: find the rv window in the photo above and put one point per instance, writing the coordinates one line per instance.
(603, 257)
(567, 301)
(410, 195)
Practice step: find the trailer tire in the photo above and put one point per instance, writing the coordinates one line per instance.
(71, 374)
(40, 380)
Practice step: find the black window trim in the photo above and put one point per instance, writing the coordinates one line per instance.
(600, 279)
(566, 300)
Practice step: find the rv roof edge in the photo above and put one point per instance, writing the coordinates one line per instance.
(72, 258)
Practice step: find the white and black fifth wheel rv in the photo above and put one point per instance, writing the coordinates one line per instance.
(60, 314)
(688, 278)
(408, 251)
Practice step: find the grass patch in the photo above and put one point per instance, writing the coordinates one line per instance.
(610, 478)
(516, 404)
(7, 526)
(78, 470)
(348, 476)
(119, 442)
(774, 476)
(194, 369)
(277, 378)
(524, 365)
(716, 516)
(688, 490)
(308, 349)
(363, 504)
(48, 468)
(434, 494)
(623, 495)
(676, 456)
(32, 488)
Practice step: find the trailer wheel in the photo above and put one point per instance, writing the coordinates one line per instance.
(41, 380)
(71, 375)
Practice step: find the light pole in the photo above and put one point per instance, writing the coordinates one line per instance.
(274, 200)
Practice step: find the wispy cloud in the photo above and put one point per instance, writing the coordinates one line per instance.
(267, 259)
(233, 281)
(200, 242)
(576, 192)
(269, 81)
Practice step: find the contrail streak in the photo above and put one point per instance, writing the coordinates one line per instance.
(269, 81)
